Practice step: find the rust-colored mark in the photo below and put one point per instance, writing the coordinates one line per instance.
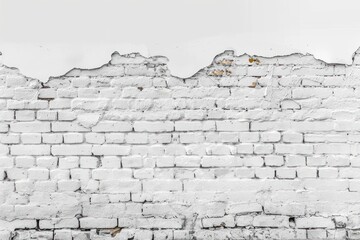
(253, 85)
(220, 73)
(226, 62)
(254, 60)
(217, 73)
(115, 231)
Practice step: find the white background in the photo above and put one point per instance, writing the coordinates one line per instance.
(47, 38)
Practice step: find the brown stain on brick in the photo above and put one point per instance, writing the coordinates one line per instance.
(115, 231)
(225, 62)
(217, 73)
(254, 60)
(253, 85)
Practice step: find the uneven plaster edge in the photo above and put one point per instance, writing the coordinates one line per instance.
(232, 52)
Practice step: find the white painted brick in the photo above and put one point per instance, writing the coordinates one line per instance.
(102, 174)
(292, 209)
(244, 208)
(288, 173)
(67, 127)
(90, 222)
(114, 137)
(31, 138)
(271, 221)
(221, 161)
(314, 222)
(264, 173)
(328, 172)
(294, 148)
(245, 148)
(109, 126)
(273, 160)
(38, 174)
(165, 161)
(89, 162)
(244, 173)
(143, 126)
(47, 162)
(6, 115)
(227, 221)
(95, 138)
(24, 161)
(68, 162)
(110, 162)
(162, 185)
(306, 172)
(67, 149)
(119, 186)
(292, 137)
(270, 136)
(52, 138)
(136, 138)
(73, 138)
(174, 223)
(187, 161)
(132, 162)
(25, 115)
(243, 221)
(29, 149)
(253, 161)
(90, 104)
(144, 173)
(263, 148)
(60, 103)
(110, 149)
(232, 126)
(9, 138)
(335, 148)
(192, 138)
(29, 127)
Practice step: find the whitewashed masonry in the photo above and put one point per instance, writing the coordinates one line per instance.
(248, 148)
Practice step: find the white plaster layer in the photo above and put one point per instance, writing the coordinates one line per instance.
(44, 38)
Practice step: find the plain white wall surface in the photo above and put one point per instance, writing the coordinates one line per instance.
(48, 38)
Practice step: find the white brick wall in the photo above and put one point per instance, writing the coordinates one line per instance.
(248, 148)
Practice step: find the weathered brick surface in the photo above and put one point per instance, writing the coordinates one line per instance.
(248, 148)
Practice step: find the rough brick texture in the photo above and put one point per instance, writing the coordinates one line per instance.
(248, 148)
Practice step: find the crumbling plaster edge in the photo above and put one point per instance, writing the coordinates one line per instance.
(194, 74)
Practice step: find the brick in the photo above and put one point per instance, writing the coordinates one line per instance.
(294, 148)
(174, 223)
(120, 186)
(109, 126)
(244, 208)
(30, 127)
(232, 126)
(270, 136)
(66, 149)
(271, 221)
(314, 222)
(142, 126)
(110, 149)
(162, 185)
(30, 149)
(89, 104)
(90, 223)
